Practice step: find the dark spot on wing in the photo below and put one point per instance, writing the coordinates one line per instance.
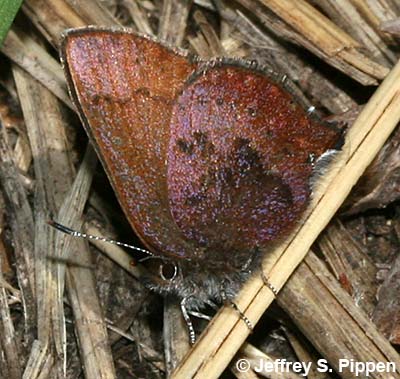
(185, 146)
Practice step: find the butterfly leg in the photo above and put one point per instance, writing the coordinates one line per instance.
(188, 321)
(212, 305)
(200, 315)
(187, 313)
(204, 316)
(242, 316)
(268, 284)
(229, 301)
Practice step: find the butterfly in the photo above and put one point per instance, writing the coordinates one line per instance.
(211, 161)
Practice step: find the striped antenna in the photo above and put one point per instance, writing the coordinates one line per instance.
(75, 233)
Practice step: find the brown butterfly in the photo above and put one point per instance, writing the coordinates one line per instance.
(211, 161)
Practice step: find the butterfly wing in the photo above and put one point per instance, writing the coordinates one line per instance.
(239, 160)
(211, 167)
(124, 87)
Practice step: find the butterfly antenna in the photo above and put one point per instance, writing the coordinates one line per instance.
(75, 233)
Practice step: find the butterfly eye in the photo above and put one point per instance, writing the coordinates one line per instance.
(168, 271)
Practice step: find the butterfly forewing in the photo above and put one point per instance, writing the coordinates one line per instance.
(124, 87)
